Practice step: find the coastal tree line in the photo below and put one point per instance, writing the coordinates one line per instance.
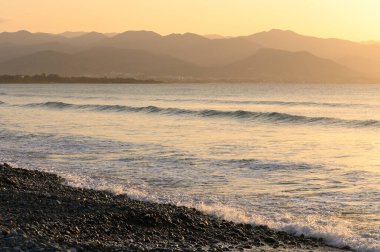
(55, 78)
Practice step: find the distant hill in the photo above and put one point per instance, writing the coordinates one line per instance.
(70, 34)
(189, 47)
(28, 38)
(216, 36)
(271, 65)
(343, 51)
(11, 51)
(267, 65)
(275, 55)
(291, 41)
(90, 38)
(100, 62)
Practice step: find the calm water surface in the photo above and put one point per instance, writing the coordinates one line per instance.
(300, 158)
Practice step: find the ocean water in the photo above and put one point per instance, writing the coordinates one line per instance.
(299, 158)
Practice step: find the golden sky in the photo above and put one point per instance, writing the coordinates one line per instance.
(350, 19)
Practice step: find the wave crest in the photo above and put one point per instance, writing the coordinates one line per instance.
(271, 117)
(270, 102)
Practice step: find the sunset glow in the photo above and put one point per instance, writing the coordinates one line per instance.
(348, 19)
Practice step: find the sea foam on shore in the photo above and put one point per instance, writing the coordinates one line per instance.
(39, 212)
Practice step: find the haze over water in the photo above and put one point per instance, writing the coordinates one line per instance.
(301, 158)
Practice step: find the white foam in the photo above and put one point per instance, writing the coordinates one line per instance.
(335, 232)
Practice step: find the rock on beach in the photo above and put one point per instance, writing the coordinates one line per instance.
(38, 212)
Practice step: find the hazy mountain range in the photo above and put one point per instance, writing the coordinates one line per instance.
(273, 56)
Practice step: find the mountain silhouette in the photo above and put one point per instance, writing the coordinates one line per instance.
(90, 38)
(343, 51)
(25, 37)
(99, 62)
(272, 65)
(189, 47)
(275, 55)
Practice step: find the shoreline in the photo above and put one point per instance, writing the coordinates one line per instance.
(38, 212)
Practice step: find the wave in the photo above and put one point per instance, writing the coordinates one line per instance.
(60, 96)
(237, 102)
(324, 104)
(255, 164)
(334, 231)
(270, 117)
(280, 103)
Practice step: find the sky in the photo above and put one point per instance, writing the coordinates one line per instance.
(356, 20)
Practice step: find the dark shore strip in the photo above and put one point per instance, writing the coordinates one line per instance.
(56, 79)
(39, 213)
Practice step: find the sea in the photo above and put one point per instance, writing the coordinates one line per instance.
(295, 157)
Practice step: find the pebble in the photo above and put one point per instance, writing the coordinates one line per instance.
(38, 212)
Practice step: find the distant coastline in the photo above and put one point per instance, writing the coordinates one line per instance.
(54, 78)
(58, 79)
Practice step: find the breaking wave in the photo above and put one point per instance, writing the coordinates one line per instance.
(335, 232)
(271, 117)
(270, 102)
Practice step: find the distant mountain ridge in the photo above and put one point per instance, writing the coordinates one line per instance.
(342, 51)
(100, 62)
(189, 47)
(272, 56)
(268, 65)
